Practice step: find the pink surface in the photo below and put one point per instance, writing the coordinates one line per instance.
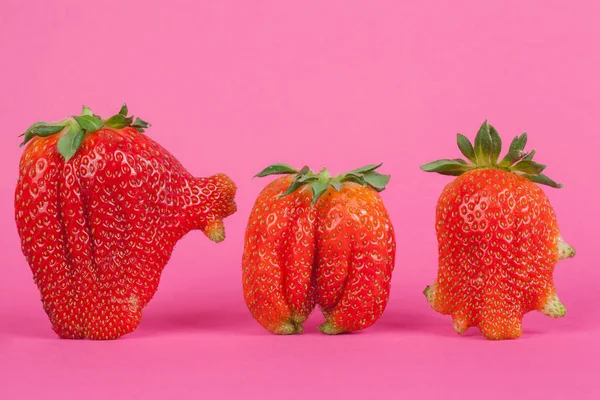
(234, 86)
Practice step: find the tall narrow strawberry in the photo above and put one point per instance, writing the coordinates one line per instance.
(315, 239)
(498, 238)
(99, 207)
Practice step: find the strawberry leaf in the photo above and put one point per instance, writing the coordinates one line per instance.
(483, 144)
(352, 177)
(496, 145)
(366, 169)
(337, 185)
(543, 180)
(529, 167)
(447, 167)
(140, 125)
(318, 188)
(518, 143)
(47, 130)
(276, 169)
(512, 157)
(297, 183)
(466, 148)
(376, 180)
(41, 129)
(118, 121)
(88, 122)
(69, 143)
(530, 155)
(304, 177)
(123, 111)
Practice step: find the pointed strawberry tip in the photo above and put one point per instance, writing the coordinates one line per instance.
(288, 328)
(564, 249)
(329, 328)
(216, 234)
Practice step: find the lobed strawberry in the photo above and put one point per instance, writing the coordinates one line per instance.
(316, 240)
(498, 238)
(99, 207)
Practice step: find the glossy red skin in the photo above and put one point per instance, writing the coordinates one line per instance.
(98, 230)
(338, 254)
(498, 246)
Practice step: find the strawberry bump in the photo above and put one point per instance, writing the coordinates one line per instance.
(313, 239)
(498, 238)
(99, 207)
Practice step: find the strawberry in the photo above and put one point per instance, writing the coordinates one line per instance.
(497, 236)
(313, 239)
(99, 207)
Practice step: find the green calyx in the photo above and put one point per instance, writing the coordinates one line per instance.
(485, 154)
(80, 126)
(322, 180)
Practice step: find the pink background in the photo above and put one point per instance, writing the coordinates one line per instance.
(234, 86)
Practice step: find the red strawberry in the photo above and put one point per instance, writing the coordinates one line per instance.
(99, 207)
(312, 239)
(498, 238)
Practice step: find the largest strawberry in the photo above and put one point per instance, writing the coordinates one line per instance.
(498, 238)
(99, 207)
(315, 239)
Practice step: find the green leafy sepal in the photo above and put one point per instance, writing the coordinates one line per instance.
(320, 182)
(485, 153)
(79, 126)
